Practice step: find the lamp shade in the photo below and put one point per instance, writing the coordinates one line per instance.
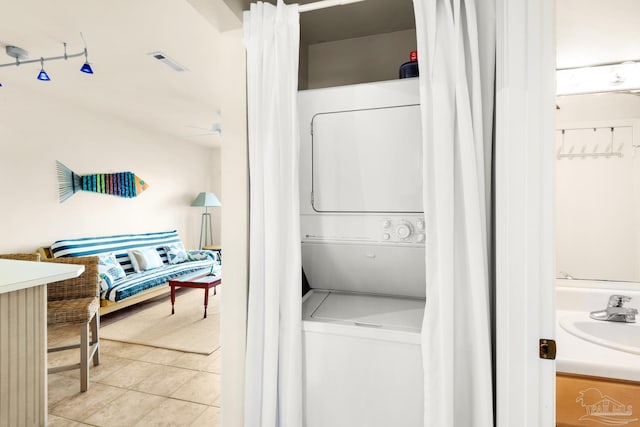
(206, 200)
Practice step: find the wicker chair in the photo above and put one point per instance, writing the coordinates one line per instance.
(75, 301)
(21, 257)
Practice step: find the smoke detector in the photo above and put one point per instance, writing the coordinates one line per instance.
(169, 62)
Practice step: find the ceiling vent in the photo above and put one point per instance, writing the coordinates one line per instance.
(169, 62)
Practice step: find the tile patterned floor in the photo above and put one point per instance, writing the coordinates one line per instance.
(135, 385)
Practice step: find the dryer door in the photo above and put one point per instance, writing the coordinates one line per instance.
(368, 160)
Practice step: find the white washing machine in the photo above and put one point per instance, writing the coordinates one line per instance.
(363, 255)
(362, 360)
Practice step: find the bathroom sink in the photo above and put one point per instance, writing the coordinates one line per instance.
(617, 335)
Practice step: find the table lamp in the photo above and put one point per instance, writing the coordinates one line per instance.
(206, 231)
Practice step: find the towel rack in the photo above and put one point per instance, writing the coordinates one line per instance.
(596, 152)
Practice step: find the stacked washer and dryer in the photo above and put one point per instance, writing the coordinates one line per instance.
(362, 228)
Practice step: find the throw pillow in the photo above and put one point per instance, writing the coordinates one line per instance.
(109, 270)
(176, 253)
(145, 259)
(201, 255)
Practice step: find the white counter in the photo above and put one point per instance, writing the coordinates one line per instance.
(16, 275)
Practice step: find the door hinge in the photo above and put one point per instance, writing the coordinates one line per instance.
(547, 349)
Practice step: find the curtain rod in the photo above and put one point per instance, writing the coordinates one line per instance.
(323, 4)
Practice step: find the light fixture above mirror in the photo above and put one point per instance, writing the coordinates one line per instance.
(600, 78)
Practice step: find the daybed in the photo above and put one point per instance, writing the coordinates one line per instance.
(135, 267)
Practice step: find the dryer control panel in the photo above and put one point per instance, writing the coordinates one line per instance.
(398, 230)
(407, 230)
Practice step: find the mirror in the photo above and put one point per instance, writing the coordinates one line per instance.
(597, 147)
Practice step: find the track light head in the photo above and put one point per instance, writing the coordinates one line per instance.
(42, 75)
(86, 68)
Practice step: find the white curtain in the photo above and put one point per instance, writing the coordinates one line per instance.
(273, 385)
(456, 51)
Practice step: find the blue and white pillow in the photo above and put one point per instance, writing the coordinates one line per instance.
(176, 253)
(109, 270)
(145, 259)
(202, 255)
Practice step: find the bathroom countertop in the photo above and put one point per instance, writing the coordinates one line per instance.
(577, 356)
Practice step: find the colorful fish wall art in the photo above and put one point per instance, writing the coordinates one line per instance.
(123, 184)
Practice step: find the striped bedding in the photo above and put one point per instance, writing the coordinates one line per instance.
(133, 283)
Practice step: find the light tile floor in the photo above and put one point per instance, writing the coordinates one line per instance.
(135, 385)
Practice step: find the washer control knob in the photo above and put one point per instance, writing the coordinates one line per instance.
(420, 237)
(386, 223)
(386, 236)
(420, 224)
(404, 230)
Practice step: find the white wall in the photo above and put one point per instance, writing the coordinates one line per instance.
(359, 60)
(235, 231)
(37, 131)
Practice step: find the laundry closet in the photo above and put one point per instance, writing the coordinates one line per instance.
(363, 235)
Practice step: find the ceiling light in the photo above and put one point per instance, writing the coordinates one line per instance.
(613, 77)
(86, 68)
(20, 56)
(616, 76)
(42, 75)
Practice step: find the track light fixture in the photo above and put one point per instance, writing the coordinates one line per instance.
(42, 75)
(20, 56)
(86, 68)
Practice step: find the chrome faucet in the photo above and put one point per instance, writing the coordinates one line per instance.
(615, 312)
(565, 275)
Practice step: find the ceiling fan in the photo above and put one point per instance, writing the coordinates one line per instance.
(215, 129)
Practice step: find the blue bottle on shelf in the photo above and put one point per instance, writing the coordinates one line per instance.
(410, 69)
